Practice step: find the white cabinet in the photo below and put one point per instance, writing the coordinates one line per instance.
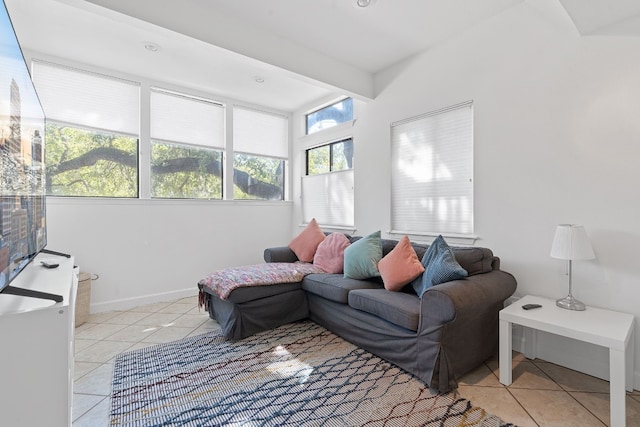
(36, 347)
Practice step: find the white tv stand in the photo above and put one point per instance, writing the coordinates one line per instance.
(36, 342)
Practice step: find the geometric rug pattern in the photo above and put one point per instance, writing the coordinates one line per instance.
(299, 374)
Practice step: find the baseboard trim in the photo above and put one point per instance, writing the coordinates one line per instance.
(128, 303)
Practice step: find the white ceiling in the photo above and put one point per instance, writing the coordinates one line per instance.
(304, 50)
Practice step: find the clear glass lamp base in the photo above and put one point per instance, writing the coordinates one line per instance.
(570, 303)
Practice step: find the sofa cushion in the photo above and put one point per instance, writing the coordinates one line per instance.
(335, 287)
(330, 253)
(399, 308)
(252, 293)
(304, 245)
(474, 260)
(400, 266)
(440, 266)
(362, 256)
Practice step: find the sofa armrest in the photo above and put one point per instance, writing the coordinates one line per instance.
(280, 254)
(459, 299)
(464, 316)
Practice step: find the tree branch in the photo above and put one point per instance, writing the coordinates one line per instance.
(247, 183)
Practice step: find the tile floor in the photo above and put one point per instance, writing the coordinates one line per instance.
(542, 394)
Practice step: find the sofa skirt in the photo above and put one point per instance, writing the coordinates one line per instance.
(397, 345)
(240, 320)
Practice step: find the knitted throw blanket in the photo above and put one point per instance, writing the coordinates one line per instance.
(223, 282)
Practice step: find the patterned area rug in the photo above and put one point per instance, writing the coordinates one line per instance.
(299, 374)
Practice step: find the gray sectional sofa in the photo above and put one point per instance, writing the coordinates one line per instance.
(451, 330)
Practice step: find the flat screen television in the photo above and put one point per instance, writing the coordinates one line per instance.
(23, 229)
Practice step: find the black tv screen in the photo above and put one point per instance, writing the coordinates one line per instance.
(23, 232)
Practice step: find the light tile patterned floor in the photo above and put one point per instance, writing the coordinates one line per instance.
(542, 394)
(104, 335)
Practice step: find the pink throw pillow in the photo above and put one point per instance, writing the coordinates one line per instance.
(400, 266)
(330, 253)
(304, 245)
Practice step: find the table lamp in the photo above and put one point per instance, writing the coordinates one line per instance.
(570, 243)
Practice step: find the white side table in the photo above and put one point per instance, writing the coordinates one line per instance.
(607, 328)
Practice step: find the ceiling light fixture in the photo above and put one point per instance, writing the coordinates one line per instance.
(151, 47)
(259, 79)
(363, 3)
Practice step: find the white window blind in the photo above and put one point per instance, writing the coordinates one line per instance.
(329, 198)
(432, 172)
(88, 99)
(260, 133)
(184, 119)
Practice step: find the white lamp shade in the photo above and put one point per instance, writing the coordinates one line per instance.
(571, 242)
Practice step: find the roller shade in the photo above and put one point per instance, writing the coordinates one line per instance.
(88, 99)
(261, 133)
(184, 119)
(432, 172)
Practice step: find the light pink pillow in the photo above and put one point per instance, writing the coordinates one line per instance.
(304, 245)
(330, 253)
(400, 266)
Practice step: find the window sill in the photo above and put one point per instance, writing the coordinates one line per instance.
(452, 239)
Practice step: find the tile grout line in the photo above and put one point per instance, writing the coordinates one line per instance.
(110, 362)
(508, 388)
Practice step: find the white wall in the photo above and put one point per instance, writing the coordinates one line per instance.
(557, 139)
(152, 250)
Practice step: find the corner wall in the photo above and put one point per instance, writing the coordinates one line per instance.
(556, 141)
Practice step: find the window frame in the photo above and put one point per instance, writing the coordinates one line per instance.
(258, 153)
(335, 134)
(331, 146)
(218, 148)
(106, 116)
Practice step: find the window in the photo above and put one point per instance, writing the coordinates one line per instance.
(331, 157)
(91, 132)
(329, 198)
(187, 138)
(261, 147)
(432, 172)
(187, 151)
(327, 187)
(330, 116)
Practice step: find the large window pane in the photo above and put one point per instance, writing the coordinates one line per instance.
(330, 116)
(92, 131)
(261, 147)
(184, 132)
(342, 155)
(257, 177)
(332, 157)
(90, 163)
(319, 160)
(183, 172)
(432, 172)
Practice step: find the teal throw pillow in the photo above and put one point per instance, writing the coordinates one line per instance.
(362, 256)
(440, 266)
